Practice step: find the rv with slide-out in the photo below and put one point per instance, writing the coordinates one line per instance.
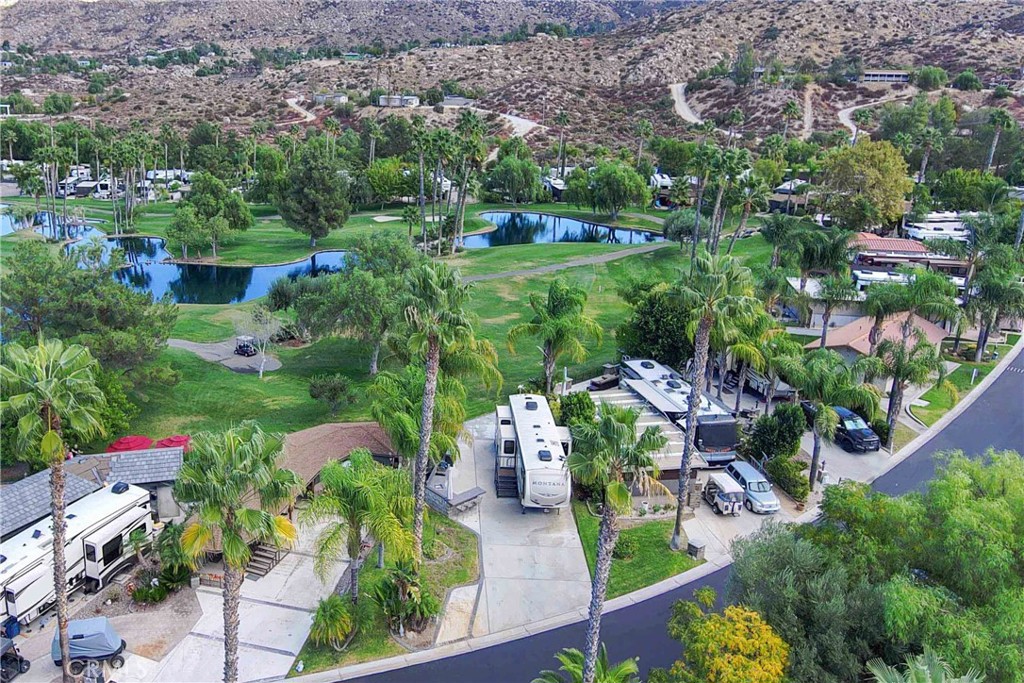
(531, 456)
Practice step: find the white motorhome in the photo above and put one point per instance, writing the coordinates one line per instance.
(532, 451)
(941, 225)
(96, 548)
(667, 392)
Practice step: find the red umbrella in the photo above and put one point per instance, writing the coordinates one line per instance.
(174, 441)
(135, 442)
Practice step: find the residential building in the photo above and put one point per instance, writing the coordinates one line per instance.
(854, 338)
(330, 98)
(398, 101)
(885, 76)
(27, 501)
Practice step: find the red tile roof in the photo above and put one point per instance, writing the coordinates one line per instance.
(866, 240)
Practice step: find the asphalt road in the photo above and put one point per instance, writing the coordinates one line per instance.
(995, 420)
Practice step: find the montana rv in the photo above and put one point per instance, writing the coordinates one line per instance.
(532, 452)
(97, 547)
(666, 392)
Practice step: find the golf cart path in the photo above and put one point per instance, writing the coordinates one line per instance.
(223, 352)
(846, 115)
(555, 267)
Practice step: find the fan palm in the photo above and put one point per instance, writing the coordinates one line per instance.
(435, 311)
(930, 140)
(923, 668)
(470, 129)
(704, 159)
(736, 162)
(835, 291)
(715, 287)
(1000, 295)
(779, 352)
(882, 300)
(748, 349)
(735, 119)
(824, 379)
(790, 112)
(47, 388)
(908, 365)
(1000, 120)
(781, 231)
(822, 251)
(572, 668)
(235, 490)
(611, 456)
(754, 197)
(359, 495)
(929, 295)
(644, 131)
(560, 325)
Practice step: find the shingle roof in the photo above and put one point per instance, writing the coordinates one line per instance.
(147, 466)
(306, 451)
(855, 335)
(27, 501)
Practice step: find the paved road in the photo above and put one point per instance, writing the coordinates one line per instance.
(996, 420)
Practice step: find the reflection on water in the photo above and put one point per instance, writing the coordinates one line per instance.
(538, 228)
(195, 283)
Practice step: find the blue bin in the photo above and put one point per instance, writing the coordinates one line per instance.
(11, 627)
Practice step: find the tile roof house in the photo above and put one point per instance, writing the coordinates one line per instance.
(853, 339)
(867, 241)
(25, 502)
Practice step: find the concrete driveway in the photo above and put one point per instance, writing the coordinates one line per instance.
(224, 353)
(532, 566)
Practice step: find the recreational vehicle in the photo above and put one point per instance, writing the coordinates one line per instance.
(665, 391)
(96, 548)
(941, 225)
(531, 451)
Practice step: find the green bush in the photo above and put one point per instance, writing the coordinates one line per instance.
(175, 576)
(881, 427)
(776, 435)
(403, 601)
(625, 548)
(967, 80)
(788, 474)
(1001, 92)
(930, 77)
(577, 407)
(332, 622)
(151, 594)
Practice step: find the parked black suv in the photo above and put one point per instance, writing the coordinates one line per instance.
(853, 434)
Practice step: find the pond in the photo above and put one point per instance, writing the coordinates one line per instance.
(539, 228)
(195, 283)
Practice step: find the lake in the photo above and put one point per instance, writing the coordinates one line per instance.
(541, 228)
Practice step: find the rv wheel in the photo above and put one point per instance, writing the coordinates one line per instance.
(24, 665)
(77, 667)
(116, 662)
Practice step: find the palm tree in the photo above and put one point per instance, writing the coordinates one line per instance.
(824, 379)
(790, 112)
(778, 352)
(560, 325)
(755, 194)
(735, 119)
(470, 129)
(421, 143)
(822, 251)
(704, 129)
(908, 365)
(333, 127)
(435, 311)
(1000, 295)
(715, 287)
(46, 388)
(236, 491)
(1000, 120)
(735, 163)
(779, 230)
(835, 291)
(561, 120)
(930, 140)
(861, 117)
(644, 130)
(359, 495)
(704, 159)
(609, 455)
(923, 668)
(373, 131)
(748, 349)
(929, 295)
(880, 301)
(572, 666)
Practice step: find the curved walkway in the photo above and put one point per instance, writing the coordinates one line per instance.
(224, 353)
(846, 115)
(555, 267)
(634, 625)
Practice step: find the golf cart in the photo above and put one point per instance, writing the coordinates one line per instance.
(723, 494)
(12, 664)
(245, 346)
(90, 639)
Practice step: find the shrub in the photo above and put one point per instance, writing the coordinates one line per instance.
(332, 622)
(625, 548)
(1001, 92)
(403, 601)
(577, 407)
(334, 390)
(930, 77)
(788, 475)
(881, 428)
(776, 435)
(967, 80)
(175, 576)
(150, 594)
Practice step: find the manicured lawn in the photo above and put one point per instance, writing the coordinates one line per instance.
(207, 322)
(804, 339)
(653, 561)
(939, 403)
(373, 641)
(904, 435)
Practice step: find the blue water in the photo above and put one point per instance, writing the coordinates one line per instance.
(195, 283)
(540, 228)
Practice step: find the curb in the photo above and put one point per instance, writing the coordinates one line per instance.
(638, 596)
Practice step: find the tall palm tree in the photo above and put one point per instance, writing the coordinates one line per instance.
(561, 326)
(704, 129)
(790, 112)
(435, 310)
(644, 130)
(715, 287)
(421, 143)
(778, 352)
(754, 197)
(236, 492)
(923, 668)
(611, 456)
(562, 121)
(931, 140)
(824, 379)
(374, 132)
(333, 127)
(822, 251)
(470, 129)
(48, 387)
(748, 350)
(929, 295)
(736, 162)
(1000, 120)
(781, 231)
(835, 291)
(359, 496)
(861, 117)
(1000, 295)
(704, 159)
(908, 365)
(572, 669)
(882, 300)
(735, 119)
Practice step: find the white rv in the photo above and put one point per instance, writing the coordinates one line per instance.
(532, 449)
(941, 225)
(98, 527)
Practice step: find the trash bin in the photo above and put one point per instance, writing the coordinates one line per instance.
(695, 549)
(11, 627)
